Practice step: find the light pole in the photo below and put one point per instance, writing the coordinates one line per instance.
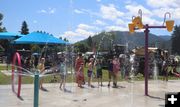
(137, 24)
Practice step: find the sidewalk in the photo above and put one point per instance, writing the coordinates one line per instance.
(128, 95)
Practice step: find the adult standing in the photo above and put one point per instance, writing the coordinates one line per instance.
(79, 61)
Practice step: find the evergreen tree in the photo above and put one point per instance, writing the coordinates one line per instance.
(60, 37)
(80, 47)
(2, 29)
(90, 41)
(175, 40)
(25, 31)
(66, 40)
(3, 43)
(24, 28)
(1, 17)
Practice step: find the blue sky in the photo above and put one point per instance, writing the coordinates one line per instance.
(77, 19)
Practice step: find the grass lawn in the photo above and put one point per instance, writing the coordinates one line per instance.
(4, 79)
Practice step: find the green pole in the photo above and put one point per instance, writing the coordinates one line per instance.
(36, 89)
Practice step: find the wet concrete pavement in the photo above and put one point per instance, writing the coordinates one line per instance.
(129, 94)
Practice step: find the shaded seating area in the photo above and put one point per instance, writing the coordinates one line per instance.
(39, 38)
(10, 35)
(5, 39)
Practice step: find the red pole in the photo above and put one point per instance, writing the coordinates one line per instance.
(146, 31)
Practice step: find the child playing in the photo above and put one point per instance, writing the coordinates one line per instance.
(99, 71)
(62, 75)
(165, 70)
(41, 68)
(89, 72)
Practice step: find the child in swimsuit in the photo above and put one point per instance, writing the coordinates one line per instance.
(62, 75)
(89, 72)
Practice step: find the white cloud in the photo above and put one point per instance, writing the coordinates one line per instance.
(81, 32)
(74, 39)
(99, 22)
(52, 10)
(151, 21)
(85, 26)
(148, 16)
(175, 12)
(42, 11)
(78, 11)
(161, 11)
(133, 10)
(116, 28)
(90, 12)
(77, 35)
(163, 3)
(84, 32)
(120, 22)
(84, 29)
(98, 0)
(70, 33)
(86, 11)
(47, 11)
(160, 7)
(110, 12)
(72, 36)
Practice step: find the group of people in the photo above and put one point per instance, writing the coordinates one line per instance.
(169, 67)
(94, 69)
(113, 70)
(93, 64)
(60, 66)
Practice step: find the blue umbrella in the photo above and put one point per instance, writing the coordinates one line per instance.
(9, 35)
(39, 38)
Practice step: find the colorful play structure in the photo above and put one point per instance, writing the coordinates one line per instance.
(137, 24)
(17, 75)
(32, 38)
(16, 63)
